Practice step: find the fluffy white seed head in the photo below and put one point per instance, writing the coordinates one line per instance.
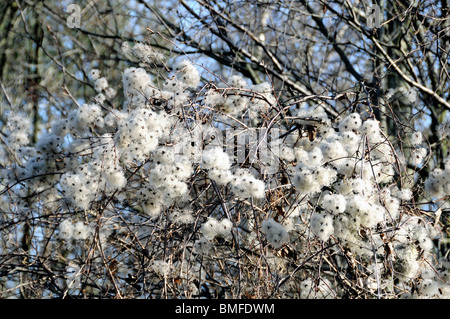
(416, 138)
(187, 73)
(245, 185)
(334, 203)
(101, 84)
(352, 122)
(95, 74)
(322, 225)
(275, 233)
(215, 158)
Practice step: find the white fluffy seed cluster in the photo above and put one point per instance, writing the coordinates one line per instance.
(69, 230)
(141, 91)
(140, 133)
(102, 174)
(435, 284)
(187, 72)
(87, 166)
(102, 87)
(144, 52)
(43, 161)
(215, 159)
(81, 120)
(166, 184)
(18, 129)
(322, 225)
(275, 232)
(416, 138)
(138, 89)
(437, 185)
(218, 165)
(181, 217)
(234, 99)
(419, 151)
(334, 203)
(243, 183)
(213, 227)
(330, 171)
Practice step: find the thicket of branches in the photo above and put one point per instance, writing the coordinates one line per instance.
(224, 149)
